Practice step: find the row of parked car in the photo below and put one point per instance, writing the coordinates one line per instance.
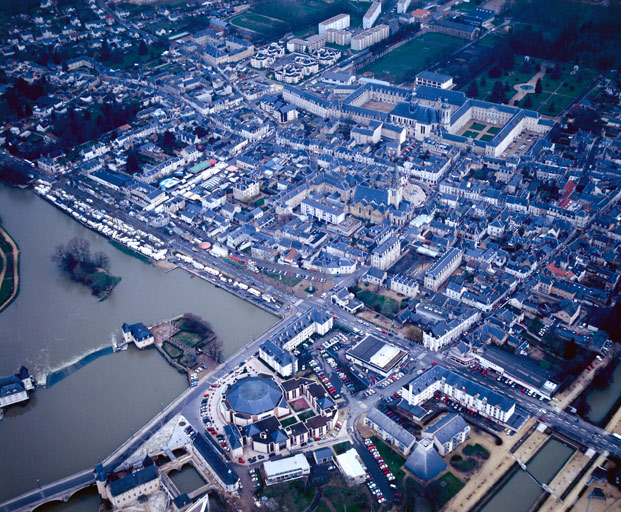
(380, 461)
(254, 476)
(389, 380)
(324, 380)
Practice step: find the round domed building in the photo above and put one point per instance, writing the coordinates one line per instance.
(251, 399)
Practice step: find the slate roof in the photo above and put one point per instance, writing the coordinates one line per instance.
(447, 427)
(425, 462)
(254, 395)
(215, 459)
(135, 479)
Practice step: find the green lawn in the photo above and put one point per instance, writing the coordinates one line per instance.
(413, 57)
(186, 360)
(306, 414)
(470, 134)
(379, 303)
(188, 339)
(472, 449)
(493, 130)
(486, 138)
(341, 447)
(289, 421)
(277, 17)
(391, 457)
(462, 464)
(290, 281)
(446, 487)
(132, 57)
(172, 351)
(477, 126)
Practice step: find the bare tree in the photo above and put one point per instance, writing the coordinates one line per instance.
(101, 260)
(214, 350)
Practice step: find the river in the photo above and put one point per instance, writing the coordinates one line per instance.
(601, 401)
(55, 322)
(520, 492)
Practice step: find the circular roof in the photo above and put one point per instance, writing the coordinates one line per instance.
(254, 395)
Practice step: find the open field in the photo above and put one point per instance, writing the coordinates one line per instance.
(274, 18)
(259, 23)
(413, 57)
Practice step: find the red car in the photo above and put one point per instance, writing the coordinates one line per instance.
(241, 461)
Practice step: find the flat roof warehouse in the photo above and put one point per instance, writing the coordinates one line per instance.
(376, 355)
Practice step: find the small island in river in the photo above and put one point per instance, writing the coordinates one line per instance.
(76, 261)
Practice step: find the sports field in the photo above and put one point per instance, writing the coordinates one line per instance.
(258, 23)
(405, 62)
(274, 18)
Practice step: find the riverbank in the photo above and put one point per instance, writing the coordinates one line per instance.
(53, 324)
(601, 394)
(9, 274)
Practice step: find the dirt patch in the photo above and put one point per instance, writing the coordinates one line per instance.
(300, 404)
(301, 289)
(379, 106)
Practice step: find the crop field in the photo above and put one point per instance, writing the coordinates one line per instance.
(403, 63)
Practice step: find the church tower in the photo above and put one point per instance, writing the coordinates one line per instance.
(395, 192)
(445, 115)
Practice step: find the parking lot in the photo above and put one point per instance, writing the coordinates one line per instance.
(522, 144)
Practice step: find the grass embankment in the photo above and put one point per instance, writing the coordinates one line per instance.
(9, 269)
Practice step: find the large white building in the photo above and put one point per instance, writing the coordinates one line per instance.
(371, 15)
(322, 211)
(386, 254)
(351, 467)
(137, 334)
(338, 22)
(391, 432)
(470, 394)
(447, 331)
(124, 491)
(442, 269)
(448, 433)
(340, 37)
(374, 354)
(283, 470)
(245, 188)
(369, 37)
(402, 6)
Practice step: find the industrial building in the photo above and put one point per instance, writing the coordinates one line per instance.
(375, 355)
